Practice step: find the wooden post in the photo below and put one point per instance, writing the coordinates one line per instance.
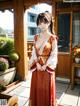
(54, 16)
(20, 39)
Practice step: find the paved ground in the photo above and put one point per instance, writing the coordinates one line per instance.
(65, 95)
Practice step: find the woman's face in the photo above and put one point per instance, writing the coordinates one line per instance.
(43, 26)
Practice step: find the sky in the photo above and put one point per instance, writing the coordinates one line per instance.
(44, 7)
(7, 20)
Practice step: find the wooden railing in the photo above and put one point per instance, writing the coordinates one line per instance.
(29, 47)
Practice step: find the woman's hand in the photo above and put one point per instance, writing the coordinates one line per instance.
(43, 67)
(38, 66)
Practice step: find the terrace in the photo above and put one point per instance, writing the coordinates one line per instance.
(67, 17)
(65, 96)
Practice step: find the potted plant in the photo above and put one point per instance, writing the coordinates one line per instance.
(7, 74)
(6, 46)
(4, 64)
(76, 58)
(76, 54)
(13, 57)
(7, 51)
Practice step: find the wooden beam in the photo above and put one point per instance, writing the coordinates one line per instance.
(30, 3)
(20, 38)
(6, 5)
(71, 33)
(54, 16)
(67, 9)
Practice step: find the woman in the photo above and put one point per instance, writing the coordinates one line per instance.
(43, 63)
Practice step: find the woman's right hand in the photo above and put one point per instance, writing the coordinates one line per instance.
(38, 66)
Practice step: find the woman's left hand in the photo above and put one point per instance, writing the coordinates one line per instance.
(43, 67)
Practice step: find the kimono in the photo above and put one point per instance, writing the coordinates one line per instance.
(42, 91)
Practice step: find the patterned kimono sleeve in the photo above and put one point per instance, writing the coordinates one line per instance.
(33, 60)
(52, 60)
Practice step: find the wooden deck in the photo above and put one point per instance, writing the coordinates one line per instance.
(65, 96)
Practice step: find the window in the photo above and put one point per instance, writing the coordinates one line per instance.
(64, 32)
(32, 17)
(31, 31)
(76, 28)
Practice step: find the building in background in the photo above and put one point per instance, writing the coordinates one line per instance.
(31, 16)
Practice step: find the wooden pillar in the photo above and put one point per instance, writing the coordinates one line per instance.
(20, 39)
(54, 16)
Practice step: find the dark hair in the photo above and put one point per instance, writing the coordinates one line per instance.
(45, 18)
(41, 18)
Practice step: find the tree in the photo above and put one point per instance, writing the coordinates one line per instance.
(3, 33)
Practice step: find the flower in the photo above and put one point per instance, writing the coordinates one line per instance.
(76, 52)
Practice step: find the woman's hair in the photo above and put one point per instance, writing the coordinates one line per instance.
(45, 18)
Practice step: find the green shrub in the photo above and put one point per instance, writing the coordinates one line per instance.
(14, 56)
(4, 64)
(6, 45)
